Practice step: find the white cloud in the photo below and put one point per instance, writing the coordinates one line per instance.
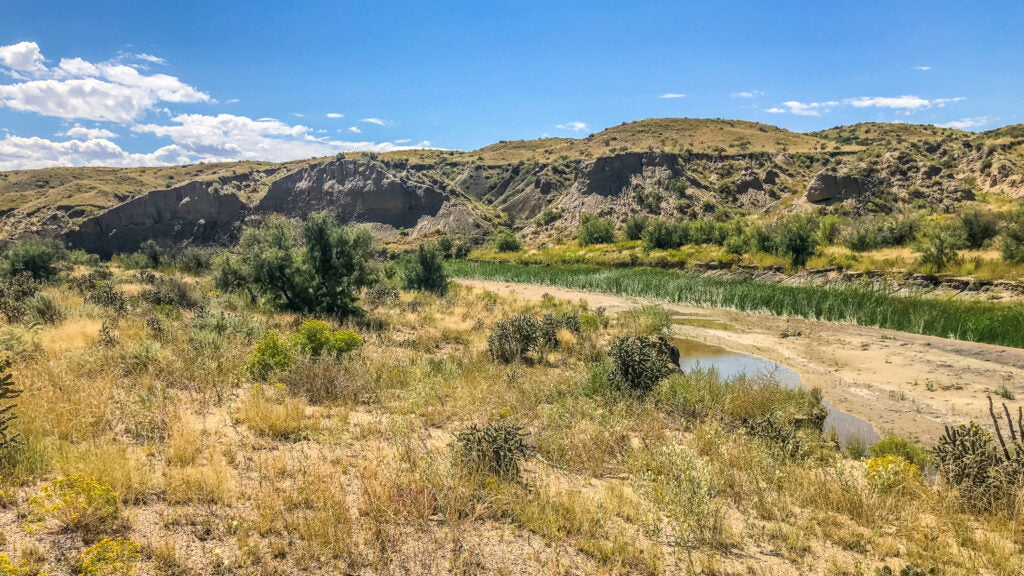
(82, 133)
(748, 94)
(672, 95)
(18, 153)
(23, 57)
(335, 115)
(574, 126)
(376, 121)
(355, 129)
(232, 101)
(298, 115)
(775, 110)
(150, 58)
(228, 137)
(923, 68)
(967, 123)
(906, 102)
(79, 89)
(808, 108)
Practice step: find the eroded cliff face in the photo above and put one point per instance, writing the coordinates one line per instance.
(196, 213)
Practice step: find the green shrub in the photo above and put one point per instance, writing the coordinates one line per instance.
(495, 449)
(152, 252)
(967, 457)
(979, 227)
(195, 260)
(906, 449)
(14, 291)
(506, 241)
(595, 230)
(174, 292)
(512, 339)
(659, 235)
(873, 232)
(1012, 241)
(42, 309)
(86, 506)
(938, 245)
(317, 268)
(37, 256)
(550, 324)
(635, 226)
(104, 294)
(639, 363)
(798, 239)
(424, 270)
(315, 338)
(382, 293)
(270, 354)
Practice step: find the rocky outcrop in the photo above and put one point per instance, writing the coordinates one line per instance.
(198, 212)
(829, 186)
(354, 192)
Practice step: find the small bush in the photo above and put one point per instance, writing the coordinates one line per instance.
(381, 293)
(42, 309)
(595, 230)
(659, 235)
(891, 473)
(495, 449)
(315, 338)
(639, 363)
(195, 260)
(175, 292)
(906, 449)
(635, 226)
(967, 457)
(512, 339)
(270, 354)
(798, 239)
(86, 506)
(104, 294)
(110, 558)
(979, 227)
(1012, 241)
(424, 270)
(37, 256)
(506, 241)
(14, 291)
(938, 245)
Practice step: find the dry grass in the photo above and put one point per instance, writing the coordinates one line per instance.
(347, 466)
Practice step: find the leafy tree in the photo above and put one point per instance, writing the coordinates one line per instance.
(506, 241)
(424, 270)
(317, 268)
(35, 255)
(660, 235)
(152, 252)
(595, 230)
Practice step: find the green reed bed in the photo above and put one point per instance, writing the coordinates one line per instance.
(990, 322)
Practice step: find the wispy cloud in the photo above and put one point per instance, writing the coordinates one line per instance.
(748, 94)
(376, 121)
(671, 95)
(150, 58)
(907, 104)
(335, 115)
(923, 68)
(967, 123)
(355, 130)
(573, 126)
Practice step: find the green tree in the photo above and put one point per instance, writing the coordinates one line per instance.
(317, 268)
(635, 227)
(595, 230)
(152, 252)
(979, 227)
(424, 270)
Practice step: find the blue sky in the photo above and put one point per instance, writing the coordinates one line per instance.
(119, 83)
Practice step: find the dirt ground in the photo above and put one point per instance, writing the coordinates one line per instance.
(901, 383)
